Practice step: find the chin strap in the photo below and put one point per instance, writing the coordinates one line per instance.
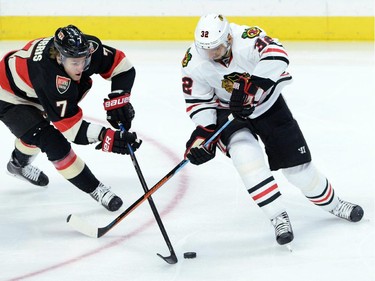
(225, 59)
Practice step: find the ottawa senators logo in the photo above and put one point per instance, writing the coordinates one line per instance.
(251, 32)
(60, 35)
(230, 79)
(62, 83)
(186, 58)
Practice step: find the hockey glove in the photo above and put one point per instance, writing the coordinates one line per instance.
(117, 141)
(195, 150)
(241, 100)
(119, 109)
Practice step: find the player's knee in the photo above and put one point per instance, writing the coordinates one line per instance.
(238, 137)
(304, 176)
(246, 154)
(49, 140)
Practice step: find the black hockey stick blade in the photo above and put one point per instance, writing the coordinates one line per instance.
(172, 259)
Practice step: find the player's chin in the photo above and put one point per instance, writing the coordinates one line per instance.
(217, 58)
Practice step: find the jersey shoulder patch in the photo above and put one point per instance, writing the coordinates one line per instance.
(251, 32)
(187, 58)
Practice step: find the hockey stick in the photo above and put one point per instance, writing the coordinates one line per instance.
(89, 230)
(172, 259)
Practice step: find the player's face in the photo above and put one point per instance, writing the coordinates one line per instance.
(217, 53)
(75, 66)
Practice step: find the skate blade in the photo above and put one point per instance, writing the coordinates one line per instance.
(23, 179)
(289, 247)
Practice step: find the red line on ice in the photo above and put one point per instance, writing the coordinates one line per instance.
(182, 186)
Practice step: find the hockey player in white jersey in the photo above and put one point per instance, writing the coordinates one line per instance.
(240, 70)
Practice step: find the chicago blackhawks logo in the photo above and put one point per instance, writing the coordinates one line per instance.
(230, 79)
(62, 84)
(186, 58)
(251, 32)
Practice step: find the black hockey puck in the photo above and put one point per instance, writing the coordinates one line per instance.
(190, 255)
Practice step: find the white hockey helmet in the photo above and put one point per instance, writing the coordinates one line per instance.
(211, 32)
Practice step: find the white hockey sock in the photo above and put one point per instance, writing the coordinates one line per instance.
(248, 159)
(314, 185)
(267, 196)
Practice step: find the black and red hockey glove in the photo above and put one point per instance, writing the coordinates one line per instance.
(242, 98)
(117, 141)
(119, 109)
(196, 152)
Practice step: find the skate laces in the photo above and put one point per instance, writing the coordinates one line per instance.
(31, 172)
(281, 224)
(343, 209)
(102, 194)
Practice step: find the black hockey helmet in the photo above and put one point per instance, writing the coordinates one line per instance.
(71, 42)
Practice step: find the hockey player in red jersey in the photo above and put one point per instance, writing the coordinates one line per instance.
(40, 88)
(240, 70)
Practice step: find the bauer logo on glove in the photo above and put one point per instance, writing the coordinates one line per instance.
(119, 109)
(108, 142)
(116, 102)
(118, 141)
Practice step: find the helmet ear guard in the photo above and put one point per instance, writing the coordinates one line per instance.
(212, 30)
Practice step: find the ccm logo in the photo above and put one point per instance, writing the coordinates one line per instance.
(107, 144)
(116, 102)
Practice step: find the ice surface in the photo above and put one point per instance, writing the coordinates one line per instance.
(205, 209)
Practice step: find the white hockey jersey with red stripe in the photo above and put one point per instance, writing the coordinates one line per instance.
(207, 85)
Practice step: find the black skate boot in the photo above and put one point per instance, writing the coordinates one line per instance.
(29, 172)
(348, 211)
(107, 198)
(283, 229)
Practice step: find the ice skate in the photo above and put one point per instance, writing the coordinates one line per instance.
(283, 229)
(29, 173)
(348, 211)
(106, 197)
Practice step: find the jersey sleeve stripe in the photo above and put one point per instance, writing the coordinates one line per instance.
(276, 58)
(23, 72)
(198, 100)
(120, 64)
(19, 77)
(4, 82)
(276, 50)
(200, 109)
